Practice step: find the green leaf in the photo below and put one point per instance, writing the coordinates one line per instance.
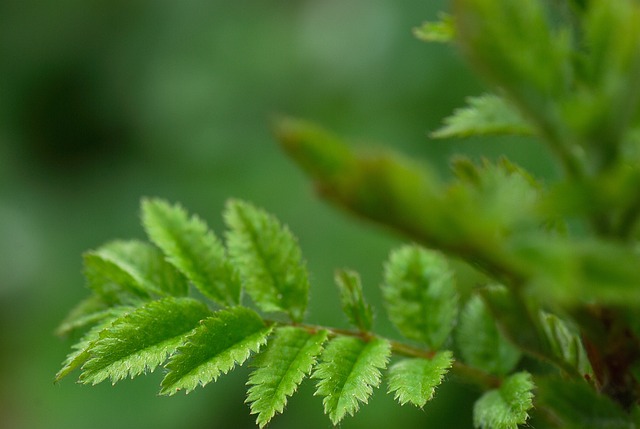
(349, 371)
(565, 343)
(318, 152)
(220, 342)
(481, 344)
(517, 318)
(606, 102)
(441, 31)
(136, 267)
(505, 407)
(501, 195)
(268, 258)
(576, 405)
(415, 380)
(484, 115)
(515, 47)
(288, 358)
(141, 340)
(85, 314)
(353, 304)
(191, 247)
(82, 348)
(420, 295)
(575, 271)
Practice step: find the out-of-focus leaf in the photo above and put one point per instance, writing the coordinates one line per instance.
(576, 405)
(420, 295)
(517, 49)
(481, 344)
(484, 115)
(565, 343)
(443, 30)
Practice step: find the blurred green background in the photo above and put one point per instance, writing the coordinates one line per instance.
(102, 103)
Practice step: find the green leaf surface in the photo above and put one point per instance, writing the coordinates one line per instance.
(514, 45)
(420, 295)
(139, 341)
(565, 343)
(280, 368)
(349, 371)
(442, 31)
(85, 314)
(136, 266)
(607, 101)
(576, 271)
(268, 258)
(221, 342)
(480, 342)
(354, 306)
(415, 380)
(81, 350)
(505, 407)
(484, 115)
(191, 247)
(576, 405)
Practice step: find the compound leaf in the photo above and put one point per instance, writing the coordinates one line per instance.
(415, 380)
(420, 295)
(219, 343)
(191, 247)
(268, 259)
(353, 304)
(487, 114)
(349, 371)
(507, 406)
(288, 358)
(481, 343)
(139, 341)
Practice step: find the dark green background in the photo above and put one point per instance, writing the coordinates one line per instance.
(103, 102)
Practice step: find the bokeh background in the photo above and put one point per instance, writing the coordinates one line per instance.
(103, 102)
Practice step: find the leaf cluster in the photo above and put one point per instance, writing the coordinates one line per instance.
(552, 328)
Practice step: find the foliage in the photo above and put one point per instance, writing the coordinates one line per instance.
(551, 331)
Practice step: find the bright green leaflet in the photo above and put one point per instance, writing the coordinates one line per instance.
(268, 258)
(139, 341)
(505, 407)
(415, 380)
(188, 244)
(220, 342)
(349, 371)
(280, 369)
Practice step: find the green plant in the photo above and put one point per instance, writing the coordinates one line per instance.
(559, 262)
